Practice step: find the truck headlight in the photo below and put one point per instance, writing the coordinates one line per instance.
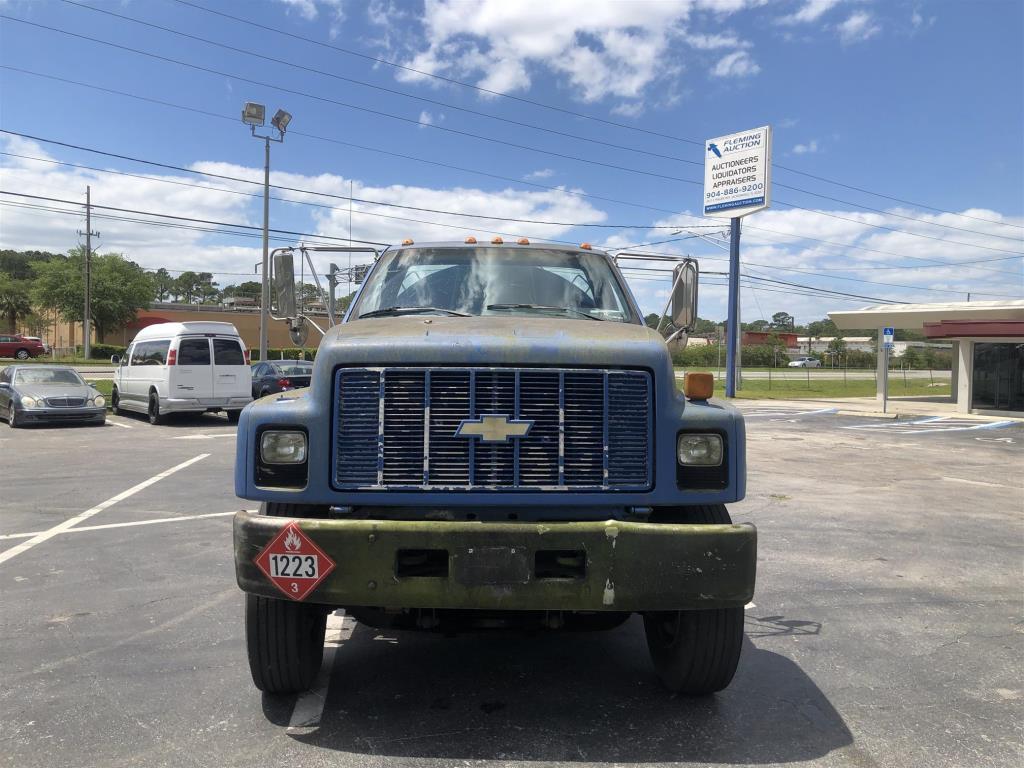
(280, 447)
(30, 402)
(700, 450)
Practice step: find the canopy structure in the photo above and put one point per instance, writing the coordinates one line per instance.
(988, 346)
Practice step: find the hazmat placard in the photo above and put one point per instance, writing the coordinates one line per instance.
(737, 173)
(294, 563)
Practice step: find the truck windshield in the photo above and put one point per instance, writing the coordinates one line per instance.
(494, 281)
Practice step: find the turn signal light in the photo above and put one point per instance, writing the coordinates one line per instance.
(585, 246)
(523, 241)
(496, 241)
(699, 386)
(407, 241)
(471, 240)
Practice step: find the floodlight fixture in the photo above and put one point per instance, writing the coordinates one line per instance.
(281, 120)
(254, 114)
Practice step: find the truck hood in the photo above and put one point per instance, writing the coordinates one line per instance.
(473, 341)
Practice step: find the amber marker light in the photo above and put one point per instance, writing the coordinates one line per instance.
(496, 241)
(470, 240)
(585, 246)
(523, 241)
(407, 241)
(699, 386)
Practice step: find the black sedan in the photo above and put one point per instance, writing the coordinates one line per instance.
(32, 394)
(276, 376)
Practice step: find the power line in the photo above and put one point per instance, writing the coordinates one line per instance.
(180, 168)
(420, 209)
(499, 118)
(563, 110)
(470, 134)
(844, 246)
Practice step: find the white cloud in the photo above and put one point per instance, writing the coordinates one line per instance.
(310, 11)
(305, 8)
(601, 49)
(812, 10)
(810, 148)
(736, 64)
(858, 27)
(426, 118)
(542, 173)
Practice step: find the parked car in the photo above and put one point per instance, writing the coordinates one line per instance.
(20, 347)
(805, 362)
(48, 393)
(272, 377)
(183, 367)
(46, 347)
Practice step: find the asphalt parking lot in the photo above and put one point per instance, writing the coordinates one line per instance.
(886, 629)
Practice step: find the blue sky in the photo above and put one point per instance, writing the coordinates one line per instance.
(921, 101)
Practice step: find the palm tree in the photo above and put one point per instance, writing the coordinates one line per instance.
(14, 300)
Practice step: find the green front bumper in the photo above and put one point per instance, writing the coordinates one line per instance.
(629, 566)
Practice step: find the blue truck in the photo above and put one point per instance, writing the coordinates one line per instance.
(493, 437)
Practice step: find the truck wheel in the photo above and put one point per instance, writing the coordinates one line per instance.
(696, 652)
(233, 416)
(114, 402)
(285, 641)
(154, 409)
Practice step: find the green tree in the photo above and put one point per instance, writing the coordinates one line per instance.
(119, 288)
(824, 327)
(163, 284)
(782, 321)
(15, 300)
(250, 289)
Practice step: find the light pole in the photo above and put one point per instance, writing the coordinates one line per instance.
(254, 115)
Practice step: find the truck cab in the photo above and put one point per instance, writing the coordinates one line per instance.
(493, 437)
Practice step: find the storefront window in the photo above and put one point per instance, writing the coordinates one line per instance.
(998, 376)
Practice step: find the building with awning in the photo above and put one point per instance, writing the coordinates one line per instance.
(987, 339)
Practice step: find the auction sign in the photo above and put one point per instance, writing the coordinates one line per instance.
(738, 173)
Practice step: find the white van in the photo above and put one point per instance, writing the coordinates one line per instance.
(183, 367)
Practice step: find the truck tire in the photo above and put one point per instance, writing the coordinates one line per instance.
(285, 641)
(115, 402)
(696, 652)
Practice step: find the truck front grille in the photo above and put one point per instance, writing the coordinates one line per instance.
(398, 429)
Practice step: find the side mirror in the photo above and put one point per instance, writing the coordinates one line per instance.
(4, 385)
(115, 360)
(359, 272)
(684, 295)
(284, 284)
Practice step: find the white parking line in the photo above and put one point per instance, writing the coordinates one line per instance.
(784, 412)
(118, 424)
(104, 527)
(205, 436)
(973, 482)
(72, 522)
(934, 424)
(309, 706)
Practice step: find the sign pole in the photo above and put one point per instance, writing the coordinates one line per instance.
(737, 182)
(733, 330)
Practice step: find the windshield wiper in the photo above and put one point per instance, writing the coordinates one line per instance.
(411, 311)
(545, 308)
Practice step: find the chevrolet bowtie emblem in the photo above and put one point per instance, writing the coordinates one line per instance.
(494, 429)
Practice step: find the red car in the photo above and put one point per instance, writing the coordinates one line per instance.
(20, 347)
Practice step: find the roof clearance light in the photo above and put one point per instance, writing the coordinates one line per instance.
(586, 246)
(523, 241)
(407, 241)
(471, 240)
(496, 241)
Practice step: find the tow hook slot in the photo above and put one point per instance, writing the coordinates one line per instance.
(560, 564)
(419, 563)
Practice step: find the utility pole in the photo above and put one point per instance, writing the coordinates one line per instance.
(87, 273)
(733, 330)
